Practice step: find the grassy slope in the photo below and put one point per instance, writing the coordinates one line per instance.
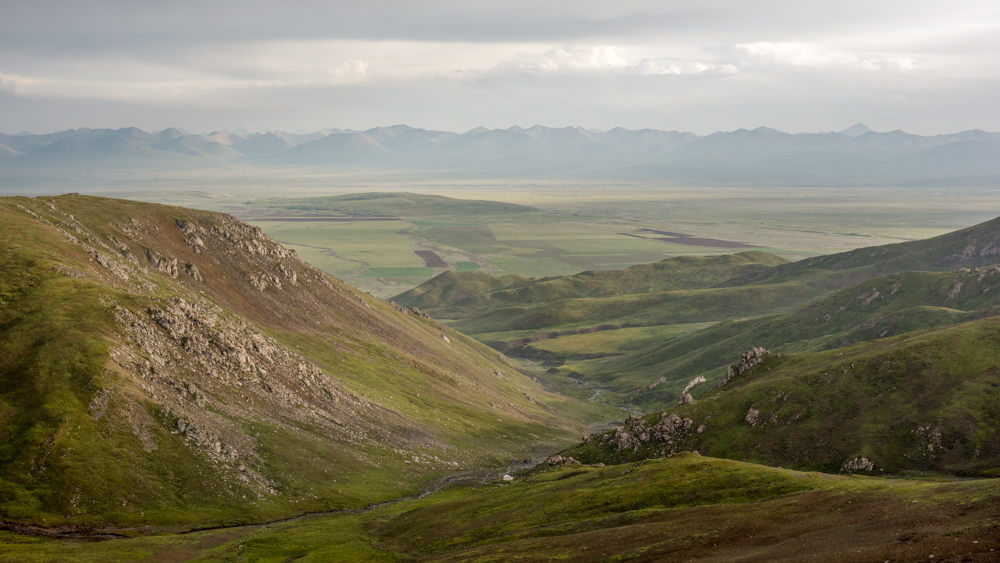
(65, 461)
(906, 302)
(455, 295)
(680, 509)
(922, 401)
(754, 309)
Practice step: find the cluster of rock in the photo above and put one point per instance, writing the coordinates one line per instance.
(190, 363)
(405, 311)
(179, 343)
(750, 359)
(685, 398)
(560, 460)
(859, 463)
(635, 433)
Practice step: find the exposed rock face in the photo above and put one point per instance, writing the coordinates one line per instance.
(750, 359)
(165, 265)
(867, 298)
(560, 460)
(194, 272)
(202, 337)
(954, 292)
(635, 432)
(685, 398)
(858, 464)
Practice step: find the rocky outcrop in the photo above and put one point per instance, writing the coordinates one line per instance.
(859, 463)
(166, 265)
(750, 359)
(685, 398)
(635, 433)
(954, 292)
(560, 460)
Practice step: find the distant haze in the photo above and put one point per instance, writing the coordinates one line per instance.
(923, 66)
(856, 155)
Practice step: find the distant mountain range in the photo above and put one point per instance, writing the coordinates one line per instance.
(855, 155)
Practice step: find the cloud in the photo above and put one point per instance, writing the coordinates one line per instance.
(797, 54)
(603, 60)
(650, 67)
(565, 59)
(348, 72)
(7, 84)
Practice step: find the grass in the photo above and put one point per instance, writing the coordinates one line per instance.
(757, 299)
(907, 302)
(614, 341)
(430, 402)
(921, 401)
(573, 234)
(678, 509)
(466, 266)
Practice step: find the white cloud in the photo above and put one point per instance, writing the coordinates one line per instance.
(566, 59)
(350, 71)
(603, 60)
(797, 54)
(7, 84)
(650, 67)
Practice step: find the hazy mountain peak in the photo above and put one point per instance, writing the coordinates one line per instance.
(856, 130)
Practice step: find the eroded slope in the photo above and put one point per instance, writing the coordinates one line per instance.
(162, 365)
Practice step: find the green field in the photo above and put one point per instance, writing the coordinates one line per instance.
(576, 228)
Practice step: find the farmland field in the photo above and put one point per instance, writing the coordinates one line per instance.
(580, 227)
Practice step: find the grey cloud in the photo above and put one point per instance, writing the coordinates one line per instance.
(699, 65)
(7, 84)
(53, 25)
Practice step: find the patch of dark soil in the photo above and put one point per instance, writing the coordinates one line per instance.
(431, 259)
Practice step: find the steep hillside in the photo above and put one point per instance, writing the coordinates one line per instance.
(923, 401)
(162, 366)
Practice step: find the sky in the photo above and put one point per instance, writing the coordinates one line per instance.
(926, 67)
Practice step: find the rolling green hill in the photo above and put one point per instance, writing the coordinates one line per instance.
(922, 401)
(751, 299)
(686, 508)
(166, 367)
(879, 308)
(462, 295)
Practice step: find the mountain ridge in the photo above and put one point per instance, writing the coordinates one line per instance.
(753, 155)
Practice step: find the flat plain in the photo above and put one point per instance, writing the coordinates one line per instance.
(578, 227)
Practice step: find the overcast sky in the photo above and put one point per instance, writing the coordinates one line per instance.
(924, 66)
